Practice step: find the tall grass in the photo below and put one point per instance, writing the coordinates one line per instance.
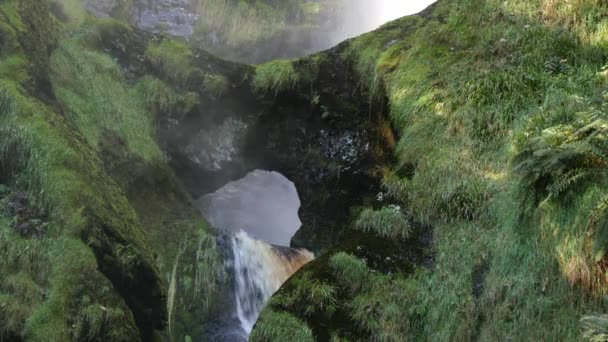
(499, 106)
(275, 77)
(244, 23)
(97, 100)
(388, 222)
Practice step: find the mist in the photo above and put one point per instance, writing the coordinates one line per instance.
(249, 34)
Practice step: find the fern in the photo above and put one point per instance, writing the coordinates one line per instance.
(595, 328)
(562, 159)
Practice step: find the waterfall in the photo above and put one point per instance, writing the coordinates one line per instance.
(259, 270)
(258, 215)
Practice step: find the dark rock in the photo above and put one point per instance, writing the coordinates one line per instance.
(17, 205)
(32, 228)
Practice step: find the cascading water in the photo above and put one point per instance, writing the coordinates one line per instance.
(260, 269)
(260, 214)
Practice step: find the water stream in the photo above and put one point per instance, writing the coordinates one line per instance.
(260, 215)
(260, 270)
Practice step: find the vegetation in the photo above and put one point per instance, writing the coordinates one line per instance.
(216, 84)
(174, 60)
(83, 80)
(501, 112)
(501, 116)
(245, 22)
(595, 328)
(281, 327)
(388, 222)
(92, 273)
(275, 76)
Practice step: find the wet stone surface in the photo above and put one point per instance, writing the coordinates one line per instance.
(176, 17)
(212, 148)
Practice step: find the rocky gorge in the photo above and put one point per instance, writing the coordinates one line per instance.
(439, 178)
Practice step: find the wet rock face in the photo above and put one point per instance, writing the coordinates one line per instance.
(325, 136)
(213, 148)
(105, 8)
(176, 17)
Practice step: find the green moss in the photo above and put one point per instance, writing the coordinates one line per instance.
(215, 84)
(276, 76)
(46, 158)
(72, 10)
(174, 60)
(15, 68)
(279, 326)
(84, 80)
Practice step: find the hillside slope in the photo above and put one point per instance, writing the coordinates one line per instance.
(500, 109)
(98, 239)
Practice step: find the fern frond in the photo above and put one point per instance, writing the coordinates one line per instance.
(595, 328)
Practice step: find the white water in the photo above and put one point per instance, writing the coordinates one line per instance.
(260, 270)
(260, 212)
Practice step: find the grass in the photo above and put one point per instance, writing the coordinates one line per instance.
(62, 264)
(216, 84)
(83, 80)
(500, 112)
(93, 228)
(388, 222)
(275, 77)
(461, 127)
(72, 10)
(279, 326)
(244, 22)
(174, 60)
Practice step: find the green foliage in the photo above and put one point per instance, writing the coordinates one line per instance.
(14, 68)
(246, 22)
(563, 158)
(210, 272)
(174, 60)
(500, 112)
(216, 84)
(388, 222)
(276, 76)
(72, 10)
(97, 100)
(385, 309)
(595, 328)
(308, 295)
(350, 271)
(280, 326)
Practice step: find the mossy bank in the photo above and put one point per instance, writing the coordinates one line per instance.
(500, 110)
(106, 245)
